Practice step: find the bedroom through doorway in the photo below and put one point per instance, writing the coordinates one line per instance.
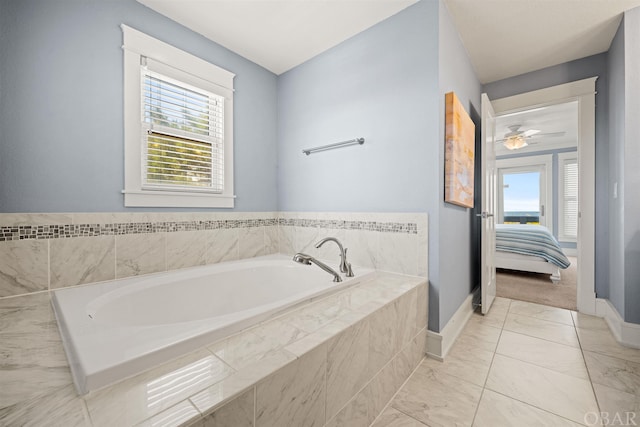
(537, 205)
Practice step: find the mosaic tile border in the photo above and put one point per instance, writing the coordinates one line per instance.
(43, 232)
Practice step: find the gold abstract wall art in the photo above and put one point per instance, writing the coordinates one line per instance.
(459, 154)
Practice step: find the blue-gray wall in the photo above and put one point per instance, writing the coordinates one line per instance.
(591, 66)
(61, 106)
(387, 85)
(616, 89)
(456, 275)
(631, 169)
(381, 85)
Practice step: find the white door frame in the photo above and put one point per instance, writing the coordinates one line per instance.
(584, 92)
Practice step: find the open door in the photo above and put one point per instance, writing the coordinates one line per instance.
(488, 205)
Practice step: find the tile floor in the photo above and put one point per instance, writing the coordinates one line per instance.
(524, 364)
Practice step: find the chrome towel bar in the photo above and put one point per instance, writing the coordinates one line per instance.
(359, 141)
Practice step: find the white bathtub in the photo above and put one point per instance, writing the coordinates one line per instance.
(116, 329)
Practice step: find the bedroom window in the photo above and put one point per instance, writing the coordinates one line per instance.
(178, 115)
(521, 193)
(525, 190)
(568, 197)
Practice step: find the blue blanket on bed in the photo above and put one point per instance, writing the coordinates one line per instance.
(530, 240)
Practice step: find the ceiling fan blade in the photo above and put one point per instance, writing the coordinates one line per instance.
(548, 135)
(530, 132)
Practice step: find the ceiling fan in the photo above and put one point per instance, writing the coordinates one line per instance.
(516, 139)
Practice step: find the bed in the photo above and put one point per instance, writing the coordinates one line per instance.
(530, 248)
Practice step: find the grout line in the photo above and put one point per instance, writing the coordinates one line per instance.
(389, 403)
(595, 396)
(495, 351)
(49, 265)
(255, 403)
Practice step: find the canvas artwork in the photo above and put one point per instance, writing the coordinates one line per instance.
(459, 153)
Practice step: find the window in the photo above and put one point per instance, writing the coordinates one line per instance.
(568, 197)
(521, 197)
(525, 190)
(178, 127)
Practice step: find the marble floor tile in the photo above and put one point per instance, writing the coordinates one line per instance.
(177, 415)
(479, 335)
(437, 399)
(82, 260)
(348, 367)
(32, 359)
(495, 317)
(548, 354)
(59, 408)
(24, 266)
(356, 412)
(498, 410)
(222, 245)
(251, 242)
(237, 413)
(561, 394)
(543, 312)
(140, 254)
(501, 303)
(465, 362)
(186, 249)
(584, 321)
(313, 318)
(616, 373)
(257, 343)
(602, 341)
(26, 314)
(295, 394)
(143, 396)
(391, 417)
(213, 397)
(544, 329)
(617, 406)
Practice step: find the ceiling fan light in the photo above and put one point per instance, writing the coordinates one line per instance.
(515, 142)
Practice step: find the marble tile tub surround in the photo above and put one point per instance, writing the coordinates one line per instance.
(334, 362)
(40, 252)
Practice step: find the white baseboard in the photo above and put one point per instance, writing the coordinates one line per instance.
(439, 343)
(627, 334)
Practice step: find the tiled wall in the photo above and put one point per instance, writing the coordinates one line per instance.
(40, 252)
(345, 379)
(50, 251)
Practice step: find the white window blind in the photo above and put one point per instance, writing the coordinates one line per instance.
(568, 214)
(183, 135)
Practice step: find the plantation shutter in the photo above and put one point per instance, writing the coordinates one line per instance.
(183, 135)
(569, 171)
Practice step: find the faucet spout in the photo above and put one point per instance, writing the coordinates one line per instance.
(345, 267)
(308, 260)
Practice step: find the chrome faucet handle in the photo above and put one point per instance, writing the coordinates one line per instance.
(348, 268)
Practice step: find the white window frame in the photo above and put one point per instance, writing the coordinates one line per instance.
(562, 158)
(194, 71)
(542, 164)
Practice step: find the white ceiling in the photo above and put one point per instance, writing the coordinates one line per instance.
(550, 119)
(505, 38)
(278, 34)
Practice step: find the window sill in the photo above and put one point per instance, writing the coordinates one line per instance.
(176, 199)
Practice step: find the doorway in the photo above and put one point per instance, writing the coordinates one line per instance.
(583, 93)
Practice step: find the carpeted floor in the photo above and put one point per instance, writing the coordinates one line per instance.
(538, 288)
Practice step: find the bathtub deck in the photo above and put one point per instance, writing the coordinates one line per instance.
(383, 321)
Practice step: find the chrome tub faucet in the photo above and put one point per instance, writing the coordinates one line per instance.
(345, 267)
(308, 260)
